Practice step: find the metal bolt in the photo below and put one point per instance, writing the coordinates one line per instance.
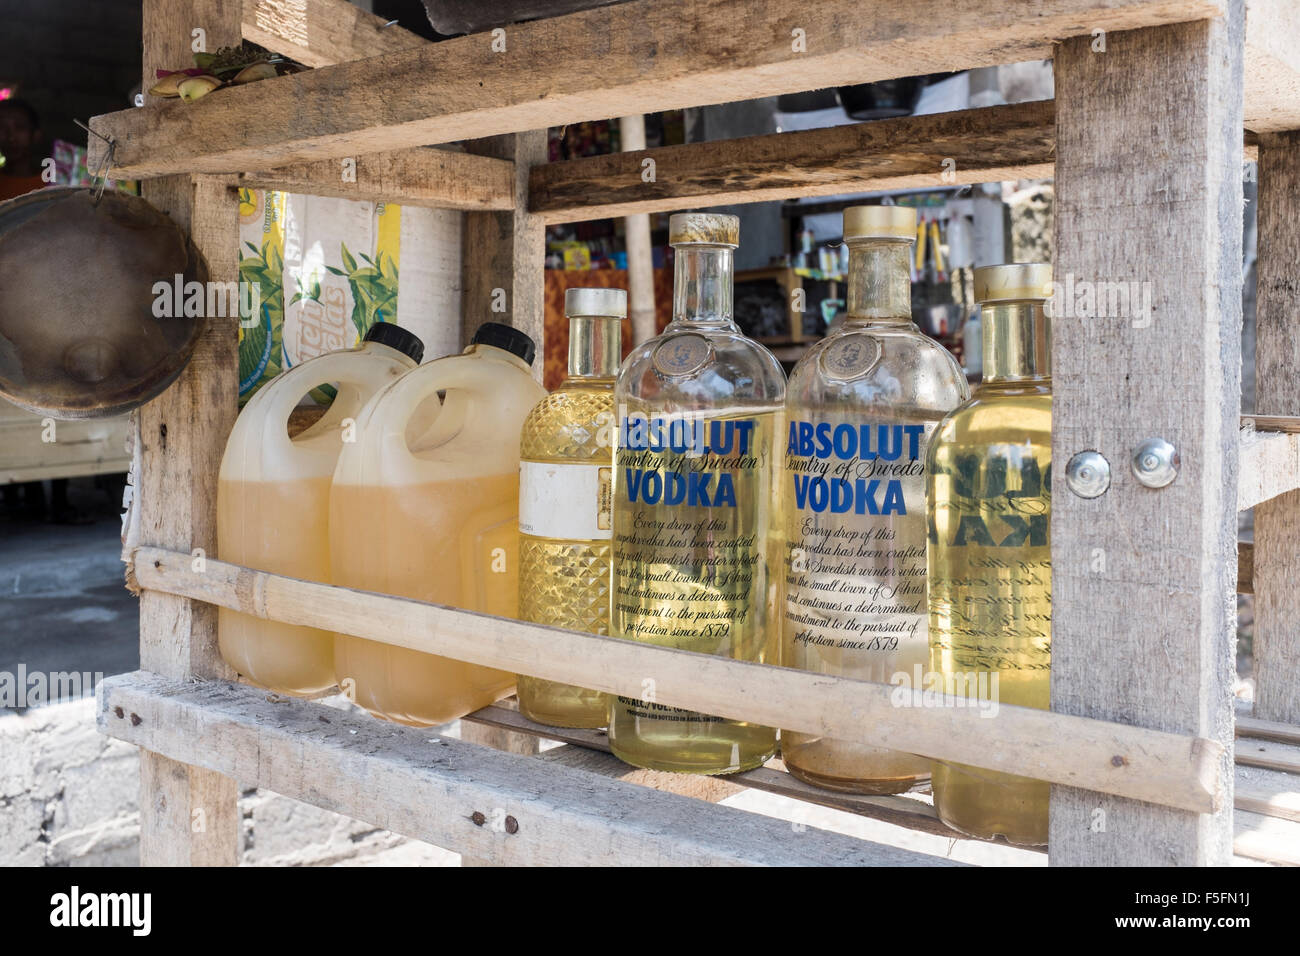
(1088, 474)
(512, 825)
(1155, 463)
(477, 818)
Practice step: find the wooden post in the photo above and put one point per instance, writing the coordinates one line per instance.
(188, 816)
(1148, 186)
(1277, 358)
(640, 255)
(504, 253)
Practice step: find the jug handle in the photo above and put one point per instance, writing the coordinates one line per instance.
(407, 394)
(327, 369)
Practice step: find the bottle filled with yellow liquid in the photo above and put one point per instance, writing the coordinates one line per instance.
(424, 504)
(273, 501)
(696, 526)
(566, 495)
(990, 501)
(861, 406)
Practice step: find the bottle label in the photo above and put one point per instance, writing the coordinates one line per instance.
(856, 567)
(566, 501)
(993, 522)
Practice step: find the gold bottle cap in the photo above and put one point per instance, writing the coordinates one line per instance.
(880, 222)
(597, 302)
(703, 228)
(1013, 280)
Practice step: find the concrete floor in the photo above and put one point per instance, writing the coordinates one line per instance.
(63, 606)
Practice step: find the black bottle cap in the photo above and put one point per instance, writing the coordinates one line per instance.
(396, 337)
(505, 337)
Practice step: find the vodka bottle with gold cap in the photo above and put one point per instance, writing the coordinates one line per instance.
(990, 501)
(566, 494)
(860, 409)
(696, 532)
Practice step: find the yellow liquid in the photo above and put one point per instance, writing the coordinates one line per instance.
(856, 596)
(990, 588)
(451, 542)
(278, 527)
(702, 579)
(565, 582)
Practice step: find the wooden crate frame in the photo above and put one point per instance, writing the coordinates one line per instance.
(1151, 99)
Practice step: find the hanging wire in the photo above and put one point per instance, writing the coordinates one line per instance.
(105, 166)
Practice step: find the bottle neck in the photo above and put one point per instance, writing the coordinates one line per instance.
(702, 285)
(595, 346)
(879, 282)
(1017, 342)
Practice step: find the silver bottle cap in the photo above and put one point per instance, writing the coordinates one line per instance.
(595, 302)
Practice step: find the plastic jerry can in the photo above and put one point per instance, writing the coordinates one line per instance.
(425, 505)
(273, 501)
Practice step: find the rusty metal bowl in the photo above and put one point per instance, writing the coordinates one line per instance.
(79, 333)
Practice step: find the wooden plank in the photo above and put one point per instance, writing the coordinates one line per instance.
(652, 55)
(188, 815)
(1163, 768)
(1256, 790)
(904, 811)
(1143, 578)
(322, 32)
(1268, 792)
(985, 145)
(450, 793)
(1272, 65)
(503, 254)
(1269, 468)
(1266, 838)
(1272, 423)
(1276, 731)
(1277, 356)
(438, 178)
(1268, 754)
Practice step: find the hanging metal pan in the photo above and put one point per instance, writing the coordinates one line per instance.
(84, 330)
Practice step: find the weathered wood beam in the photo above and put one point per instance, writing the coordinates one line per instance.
(967, 146)
(1142, 578)
(1272, 65)
(1270, 467)
(487, 805)
(439, 178)
(322, 32)
(635, 57)
(1277, 356)
(188, 815)
(1166, 769)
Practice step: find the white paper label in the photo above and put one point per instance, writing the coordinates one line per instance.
(573, 502)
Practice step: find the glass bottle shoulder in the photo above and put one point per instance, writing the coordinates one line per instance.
(903, 369)
(676, 372)
(1000, 414)
(572, 423)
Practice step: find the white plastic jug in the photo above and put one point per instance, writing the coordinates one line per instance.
(425, 505)
(273, 501)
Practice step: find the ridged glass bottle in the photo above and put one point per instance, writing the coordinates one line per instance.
(990, 501)
(861, 407)
(566, 494)
(696, 528)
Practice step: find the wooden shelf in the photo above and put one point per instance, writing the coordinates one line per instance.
(654, 55)
(1163, 768)
(1144, 142)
